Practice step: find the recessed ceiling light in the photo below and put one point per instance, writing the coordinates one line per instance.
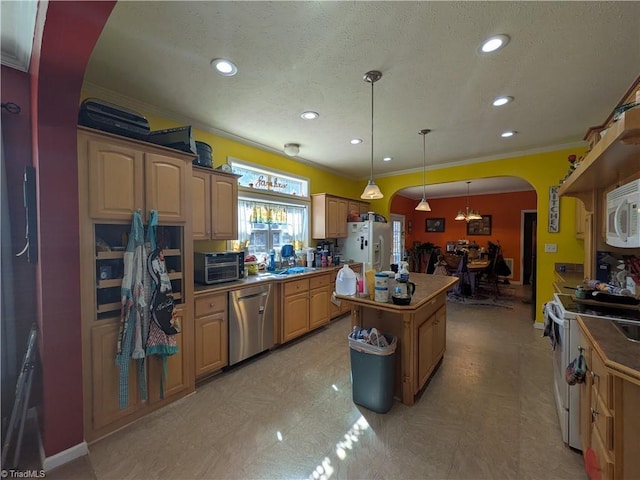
(508, 133)
(355, 141)
(500, 101)
(494, 43)
(387, 159)
(224, 67)
(309, 115)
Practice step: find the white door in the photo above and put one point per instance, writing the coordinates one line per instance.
(397, 238)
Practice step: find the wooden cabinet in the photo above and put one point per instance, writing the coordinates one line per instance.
(126, 175)
(439, 335)
(328, 216)
(306, 305)
(215, 205)
(609, 415)
(612, 160)
(211, 333)
(179, 376)
(319, 300)
(105, 376)
(117, 176)
(431, 330)
(580, 219)
(358, 207)
(295, 309)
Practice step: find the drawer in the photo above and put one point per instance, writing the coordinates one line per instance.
(602, 419)
(211, 304)
(319, 281)
(605, 464)
(296, 286)
(602, 380)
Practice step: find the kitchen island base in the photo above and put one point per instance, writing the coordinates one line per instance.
(420, 328)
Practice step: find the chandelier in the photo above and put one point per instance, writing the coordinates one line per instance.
(468, 213)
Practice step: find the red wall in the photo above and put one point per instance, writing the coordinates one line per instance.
(65, 36)
(505, 210)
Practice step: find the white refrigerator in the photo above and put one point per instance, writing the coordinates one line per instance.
(369, 243)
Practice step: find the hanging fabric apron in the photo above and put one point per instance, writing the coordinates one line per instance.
(157, 343)
(130, 336)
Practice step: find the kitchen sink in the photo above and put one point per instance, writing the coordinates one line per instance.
(629, 330)
(294, 271)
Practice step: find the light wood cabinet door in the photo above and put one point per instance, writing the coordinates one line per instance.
(364, 207)
(167, 182)
(425, 351)
(329, 216)
(179, 368)
(211, 344)
(332, 217)
(295, 318)
(211, 333)
(116, 178)
(319, 299)
(580, 219)
(105, 377)
(201, 205)
(341, 222)
(224, 207)
(439, 334)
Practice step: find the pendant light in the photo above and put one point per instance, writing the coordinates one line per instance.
(424, 206)
(371, 191)
(468, 214)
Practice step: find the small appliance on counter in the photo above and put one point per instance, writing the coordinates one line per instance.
(218, 267)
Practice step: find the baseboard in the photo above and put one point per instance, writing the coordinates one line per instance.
(66, 456)
(538, 325)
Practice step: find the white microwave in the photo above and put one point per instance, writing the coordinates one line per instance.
(623, 216)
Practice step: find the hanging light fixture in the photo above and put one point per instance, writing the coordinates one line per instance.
(371, 191)
(468, 214)
(424, 206)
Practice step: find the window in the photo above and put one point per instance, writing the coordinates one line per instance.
(266, 225)
(273, 210)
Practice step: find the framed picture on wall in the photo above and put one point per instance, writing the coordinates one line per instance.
(479, 227)
(434, 225)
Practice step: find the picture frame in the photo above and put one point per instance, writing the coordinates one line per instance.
(479, 227)
(434, 225)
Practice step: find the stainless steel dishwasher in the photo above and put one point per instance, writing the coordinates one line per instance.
(250, 322)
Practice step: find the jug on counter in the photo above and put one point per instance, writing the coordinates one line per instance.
(346, 281)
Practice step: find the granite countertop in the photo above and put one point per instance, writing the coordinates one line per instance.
(251, 280)
(620, 355)
(570, 279)
(427, 287)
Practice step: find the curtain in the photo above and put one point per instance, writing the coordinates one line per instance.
(272, 225)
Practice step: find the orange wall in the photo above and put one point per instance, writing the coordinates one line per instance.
(505, 210)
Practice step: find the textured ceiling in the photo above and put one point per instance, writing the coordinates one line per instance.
(567, 65)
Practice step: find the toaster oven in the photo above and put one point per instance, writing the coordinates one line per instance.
(218, 267)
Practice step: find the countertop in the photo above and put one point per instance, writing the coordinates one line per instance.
(251, 280)
(569, 279)
(427, 287)
(620, 355)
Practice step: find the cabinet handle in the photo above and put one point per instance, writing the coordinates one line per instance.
(594, 413)
(212, 304)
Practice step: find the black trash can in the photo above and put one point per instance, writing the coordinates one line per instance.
(372, 374)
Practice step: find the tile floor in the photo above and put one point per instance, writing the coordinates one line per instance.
(488, 413)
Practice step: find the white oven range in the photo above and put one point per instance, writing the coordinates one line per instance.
(561, 314)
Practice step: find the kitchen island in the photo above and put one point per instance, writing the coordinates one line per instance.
(420, 328)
